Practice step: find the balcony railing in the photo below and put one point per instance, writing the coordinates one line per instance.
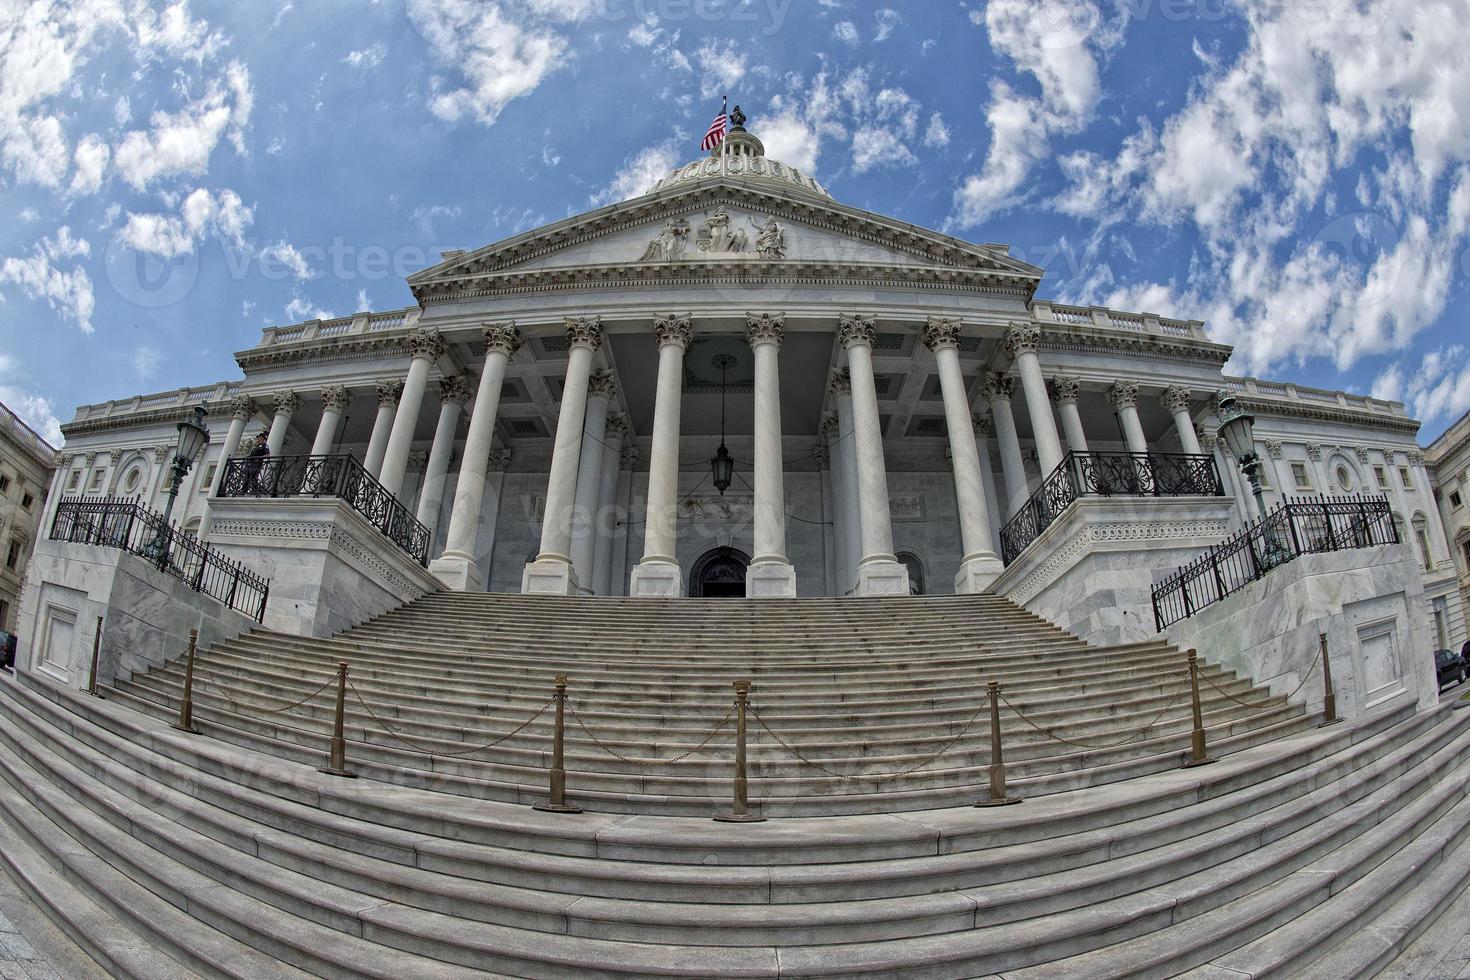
(1108, 475)
(1299, 526)
(110, 522)
(340, 476)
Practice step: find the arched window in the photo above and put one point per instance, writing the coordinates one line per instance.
(1400, 529)
(916, 571)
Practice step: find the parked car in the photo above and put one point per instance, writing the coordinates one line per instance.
(1450, 666)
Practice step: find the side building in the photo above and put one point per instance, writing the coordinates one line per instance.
(1449, 460)
(26, 465)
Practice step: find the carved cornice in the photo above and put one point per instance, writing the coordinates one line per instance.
(854, 330)
(389, 392)
(286, 402)
(1064, 390)
(501, 338)
(1123, 394)
(601, 384)
(455, 389)
(764, 328)
(335, 398)
(1319, 412)
(1064, 337)
(426, 344)
(584, 331)
(840, 383)
(673, 330)
(1022, 338)
(942, 333)
(1176, 399)
(998, 387)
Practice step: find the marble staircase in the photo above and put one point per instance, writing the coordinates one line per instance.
(1301, 852)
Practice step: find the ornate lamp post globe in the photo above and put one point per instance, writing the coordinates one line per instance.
(1237, 428)
(193, 435)
(722, 466)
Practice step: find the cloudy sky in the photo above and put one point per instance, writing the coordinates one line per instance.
(174, 176)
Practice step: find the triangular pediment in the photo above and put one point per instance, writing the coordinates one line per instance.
(722, 229)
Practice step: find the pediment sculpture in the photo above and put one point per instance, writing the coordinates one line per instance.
(670, 243)
(770, 240)
(716, 235)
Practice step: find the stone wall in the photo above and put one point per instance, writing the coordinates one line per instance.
(1369, 602)
(146, 614)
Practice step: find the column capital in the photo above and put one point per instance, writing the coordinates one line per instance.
(984, 425)
(1022, 338)
(1416, 458)
(840, 383)
(1273, 448)
(115, 456)
(1064, 390)
(1123, 394)
(63, 460)
(629, 458)
(998, 387)
(1209, 440)
(241, 407)
(389, 392)
(286, 402)
(764, 328)
(831, 430)
(673, 330)
(501, 337)
(417, 460)
(499, 459)
(426, 344)
(1314, 451)
(1362, 452)
(617, 429)
(601, 384)
(455, 389)
(823, 456)
(854, 330)
(336, 398)
(942, 332)
(584, 331)
(1176, 399)
(160, 453)
(89, 458)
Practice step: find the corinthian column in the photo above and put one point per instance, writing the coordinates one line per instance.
(286, 403)
(845, 483)
(1123, 396)
(241, 409)
(453, 393)
(457, 567)
(1176, 400)
(770, 572)
(659, 572)
(388, 394)
(1022, 341)
(334, 402)
(424, 347)
(589, 476)
(980, 565)
(1065, 391)
(1013, 468)
(879, 572)
(552, 570)
(604, 525)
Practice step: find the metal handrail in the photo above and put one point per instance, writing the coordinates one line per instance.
(1296, 526)
(1108, 474)
(338, 475)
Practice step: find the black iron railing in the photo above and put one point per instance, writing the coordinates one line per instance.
(1298, 526)
(111, 522)
(1108, 475)
(340, 476)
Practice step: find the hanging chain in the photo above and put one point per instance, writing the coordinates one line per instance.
(388, 729)
(261, 709)
(651, 763)
(1268, 703)
(1139, 735)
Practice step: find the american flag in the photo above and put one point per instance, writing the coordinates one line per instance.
(716, 134)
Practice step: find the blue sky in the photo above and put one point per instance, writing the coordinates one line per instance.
(174, 176)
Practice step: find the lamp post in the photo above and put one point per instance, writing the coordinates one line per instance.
(193, 435)
(1237, 428)
(722, 466)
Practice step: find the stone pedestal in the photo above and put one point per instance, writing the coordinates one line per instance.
(770, 579)
(656, 578)
(459, 573)
(882, 576)
(550, 576)
(977, 574)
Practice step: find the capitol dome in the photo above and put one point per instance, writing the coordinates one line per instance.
(744, 157)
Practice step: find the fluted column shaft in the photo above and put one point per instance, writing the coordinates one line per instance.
(454, 392)
(1021, 341)
(286, 404)
(660, 533)
(604, 525)
(241, 410)
(561, 487)
(334, 403)
(1176, 401)
(1124, 398)
(1013, 468)
(942, 337)
(388, 394)
(876, 526)
(425, 348)
(1066, 391)
(845, 479)
(770, 480)
(589, 477)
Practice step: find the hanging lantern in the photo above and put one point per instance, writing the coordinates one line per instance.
(722, 466)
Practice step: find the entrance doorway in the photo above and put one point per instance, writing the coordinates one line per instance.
(719, 574)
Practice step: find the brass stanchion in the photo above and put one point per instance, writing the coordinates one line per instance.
(337, 761)
(998, 795)
(186, 706)
(1329, 697)
(558, 803)
(1197, 754)
(740, 811)
(96, 655)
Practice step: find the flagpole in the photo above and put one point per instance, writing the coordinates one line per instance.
(725, 142)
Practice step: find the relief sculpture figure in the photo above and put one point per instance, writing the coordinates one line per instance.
(670, 242)
(770, 240)
(717, 236)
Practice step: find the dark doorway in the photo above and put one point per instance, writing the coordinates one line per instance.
(719, 574)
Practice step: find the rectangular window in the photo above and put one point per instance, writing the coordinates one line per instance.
(27, 501)
(208, 480)
(4, 613)
(97, 481)
(12, 556)
(76, 482)
(1381, 475)
(4, 483)
(1423, 540)
(1299, 474)
(1455, 499)
(1405, 478)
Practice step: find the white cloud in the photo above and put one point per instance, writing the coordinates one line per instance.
(888, 20)
(34, 410)
(1440, 387)
(425, 216)
(169, 235)
(283, 255)
(68, 292)
(937, 133)
(370, 57)
(363, 306)
(792, 140)
(172, 32)
(721, 66)
(846, 32)
(300, 308)
(146, 361)
(498, 59)
(640, 172)
(182, 142)
(91, 163)
(878, 147)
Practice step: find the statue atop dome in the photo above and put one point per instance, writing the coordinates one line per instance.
(737, 121)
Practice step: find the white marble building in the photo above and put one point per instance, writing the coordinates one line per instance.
(26, 462)
(892, 398)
